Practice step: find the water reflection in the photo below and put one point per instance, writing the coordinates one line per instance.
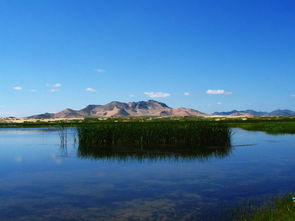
(126, 153)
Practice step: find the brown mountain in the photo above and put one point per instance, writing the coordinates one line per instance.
(120, 109)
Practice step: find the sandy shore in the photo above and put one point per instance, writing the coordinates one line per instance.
(29, 120)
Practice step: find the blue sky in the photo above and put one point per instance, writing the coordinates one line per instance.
(208, 55)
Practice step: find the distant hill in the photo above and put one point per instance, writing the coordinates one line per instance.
(282, 113)
(120, 109)
(256, 113)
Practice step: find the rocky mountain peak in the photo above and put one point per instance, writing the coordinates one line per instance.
(121, 109)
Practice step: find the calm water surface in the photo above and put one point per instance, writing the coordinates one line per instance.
(43, 180)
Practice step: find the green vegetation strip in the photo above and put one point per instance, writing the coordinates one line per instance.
(270, 127)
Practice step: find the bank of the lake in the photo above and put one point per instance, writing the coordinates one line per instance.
(278, 209)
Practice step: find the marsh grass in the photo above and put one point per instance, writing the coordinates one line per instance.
(63, 135)
(153, 140)
(140, 134)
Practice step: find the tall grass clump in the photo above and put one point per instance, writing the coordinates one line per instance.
(154, 140)
(185, 134)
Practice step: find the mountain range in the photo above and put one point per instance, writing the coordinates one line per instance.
(120, 109)
(256, 113)
(149, 108)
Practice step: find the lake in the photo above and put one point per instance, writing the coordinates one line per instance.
(42, 179)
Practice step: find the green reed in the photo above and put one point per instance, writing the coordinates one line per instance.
(170, 133)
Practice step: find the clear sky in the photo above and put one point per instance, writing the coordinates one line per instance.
(203, 54)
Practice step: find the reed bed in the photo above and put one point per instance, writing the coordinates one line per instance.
(168, 134)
